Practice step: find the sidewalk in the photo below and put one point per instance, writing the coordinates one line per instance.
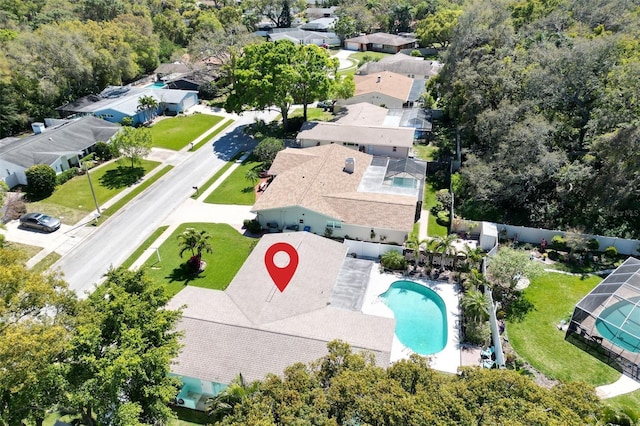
(81, 230)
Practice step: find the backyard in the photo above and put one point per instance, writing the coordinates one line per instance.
(175, 133)
(73, 201)
(230, 250)
(434, 229)
(537, 339)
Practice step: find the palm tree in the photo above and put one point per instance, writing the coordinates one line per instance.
(252, 175)
(148, 105)
(475, 305)
(473, 255)
(222, 404)
(475, 280)
(445, 246)
(196, 242)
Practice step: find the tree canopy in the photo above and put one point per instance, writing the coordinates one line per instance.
(133, 143)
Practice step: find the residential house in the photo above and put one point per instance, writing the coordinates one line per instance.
(416, 68)
(386, 89)
(374, 140)
(337, 190)
(171, 70)
(254, 329)
(380, 42)
(319, 25)
(313, 13)
(117, 102)
(60, 146)
(304, 37)
(361, 114)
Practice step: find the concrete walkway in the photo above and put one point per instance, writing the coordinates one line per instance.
(623, 385)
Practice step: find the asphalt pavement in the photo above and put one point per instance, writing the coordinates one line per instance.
(88, 252)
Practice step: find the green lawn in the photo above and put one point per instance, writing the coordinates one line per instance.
(45, 263)
(73, 200)
(145, 245)
(175, 133)
(26, 251)
(629, 402)
(426, 152)
(434, 229)
(236, 189)
(538, 340)
(313, 114)
(216, 176)
(230, 250)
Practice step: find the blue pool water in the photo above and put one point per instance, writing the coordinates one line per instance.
(420, 313)
(156, 85)
(620, 324)
(404, 182)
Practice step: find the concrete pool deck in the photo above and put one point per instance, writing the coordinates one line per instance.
(447, 360)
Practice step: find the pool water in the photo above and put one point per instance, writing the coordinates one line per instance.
(157, 85)
(420, 313)
(620, 324)
(404, 182)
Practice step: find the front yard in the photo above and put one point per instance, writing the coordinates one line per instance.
(73, 201)
(175, 133)
(236, 189)
(230, 250)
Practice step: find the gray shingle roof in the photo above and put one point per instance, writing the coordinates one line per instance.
(364, 135)
(381, 38)
(46, 147)
(402, 64)
(254, 329)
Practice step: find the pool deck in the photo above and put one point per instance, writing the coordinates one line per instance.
(447, 360)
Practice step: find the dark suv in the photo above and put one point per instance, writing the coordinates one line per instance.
(40, 221)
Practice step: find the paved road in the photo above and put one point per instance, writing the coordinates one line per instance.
(112, 242)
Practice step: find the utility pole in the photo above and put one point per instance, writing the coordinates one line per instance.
(93, 193)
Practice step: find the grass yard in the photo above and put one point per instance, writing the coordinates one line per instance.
(538, 340)
(630, 403)
(73, 200)
(175, 133)
(236, 189)
(217, 175)
(230, 250)
(313, 114)
(46, 263)
(425, 152)
(26, 251)
(434, 229)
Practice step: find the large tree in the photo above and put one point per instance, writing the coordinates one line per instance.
(120, 354)
(279, 12)
(281, 74)
(133, 143)
(36, 321)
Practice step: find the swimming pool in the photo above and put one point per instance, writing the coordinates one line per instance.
(420, 313)
(620, 324)
(156, 85)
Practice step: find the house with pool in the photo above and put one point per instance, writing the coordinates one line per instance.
(256, 329)
(337, 191)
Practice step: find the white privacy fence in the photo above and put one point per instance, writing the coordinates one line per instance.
(370, 250)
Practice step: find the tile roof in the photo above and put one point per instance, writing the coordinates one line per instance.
(70, 137)
(255, 329)
(364, 135)
(381, 38)
(320, 184)
(388, 83)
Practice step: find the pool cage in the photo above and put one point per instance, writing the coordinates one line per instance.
(607, 320)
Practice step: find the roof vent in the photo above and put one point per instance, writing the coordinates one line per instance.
(350, 165)
(37, 128)
(379, 79)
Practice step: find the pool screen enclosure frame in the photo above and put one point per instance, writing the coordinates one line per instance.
(608, 318)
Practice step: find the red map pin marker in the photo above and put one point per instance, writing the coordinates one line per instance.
(281, 276)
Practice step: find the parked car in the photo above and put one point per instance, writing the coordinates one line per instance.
(40, 221)
(325, 104)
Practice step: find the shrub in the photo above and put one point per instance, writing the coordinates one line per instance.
(477, 333)
(66, 175)
(611, 252)
(105, 151)
(41, 181)
(252, 226)
(553, 255)
(127, 121)
(558, 242)
(393, 260)
(593, 244)
(267, 150)
(415, 53)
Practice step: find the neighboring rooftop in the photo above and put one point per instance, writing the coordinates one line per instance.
(362, 114)
(402, 64)
(314, 178)
(382, 38)
(388, 83)
(371, 135)
(72, 136)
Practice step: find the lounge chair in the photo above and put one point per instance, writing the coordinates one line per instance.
(487, 353)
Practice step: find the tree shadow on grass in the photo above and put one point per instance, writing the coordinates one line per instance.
(184, 273)
(248, 189)
(121, 177)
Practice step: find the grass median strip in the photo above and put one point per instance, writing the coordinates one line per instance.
(212, 135)
(45, 263)
(145, 245)
(106, 213)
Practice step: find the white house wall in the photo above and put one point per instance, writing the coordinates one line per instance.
(12, 174)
